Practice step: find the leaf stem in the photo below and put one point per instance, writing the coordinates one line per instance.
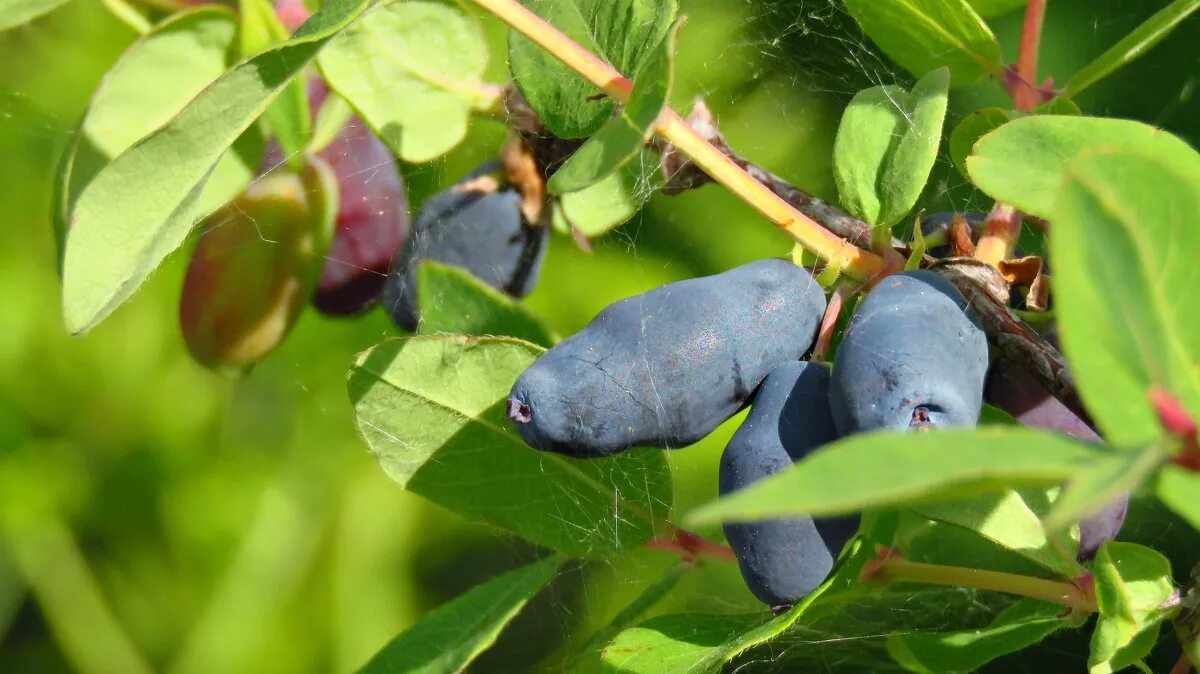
(1025, 93)
(856, 262)
(999, 235)
(894, 569)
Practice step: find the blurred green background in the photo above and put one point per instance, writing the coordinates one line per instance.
(155, 516)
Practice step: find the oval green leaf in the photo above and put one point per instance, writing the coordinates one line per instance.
(433, 411)
(13, 13)
(453, 301)
(121, 229)
(414, 71)
(1125, 246)
(886, 146)
(148, 85)
(1022, 162)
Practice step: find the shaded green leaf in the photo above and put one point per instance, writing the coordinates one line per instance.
(886, 145)
(1132, 582)
(971, 129)
(1021, 625)
(623, 136)
(414, 71)
(921, 467)
(1139, 41)
(678, 643)
(622, 32)
(923, 35)
(16, 12)
(607, 204)
(585, 657)
(148, 85)
(433, 411)
(1098, 484)
(453, 301)
(1012, 520)
(990, 415)
(288, 117)
(449, 638)
(1022, 162)
(120, 230)
(1179, 489)
(1125, 246)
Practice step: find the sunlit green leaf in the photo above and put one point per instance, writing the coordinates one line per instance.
(1125, 246)
(1132, 582)
(16, 12)
(1012, 520)
(1097, 485)
(455, 302)
(1022, 162)
(140, 207)
(151, 82)
(1179, 488)
(414, 71)
(886, 145)
(433, 411)
(607, 204)
(921, 467)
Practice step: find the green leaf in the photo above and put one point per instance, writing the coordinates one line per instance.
(990, 8)
(148, 85)
(921, 467)
(886, 145)
(923, 35)
(288, 117)
(990, 415)
(455, 302)
(120, 229)
(414, 71)
(1020, 626)
(1139, 41)
(453, 635)
(1012, 520)
(433, 411)
(622, 32)
(634, 611)
(978, 123)
(1022, 162)
(1179, 489)
(1132, 582)
(596, 209)
(1125, 247)
(678, 643)
(623, 136)
(971, 129)
(1096, 486)
(16, 12)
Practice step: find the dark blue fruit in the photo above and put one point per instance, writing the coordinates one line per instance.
(476, 225)
(782, 560)
(666, 367)
(913, 356)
